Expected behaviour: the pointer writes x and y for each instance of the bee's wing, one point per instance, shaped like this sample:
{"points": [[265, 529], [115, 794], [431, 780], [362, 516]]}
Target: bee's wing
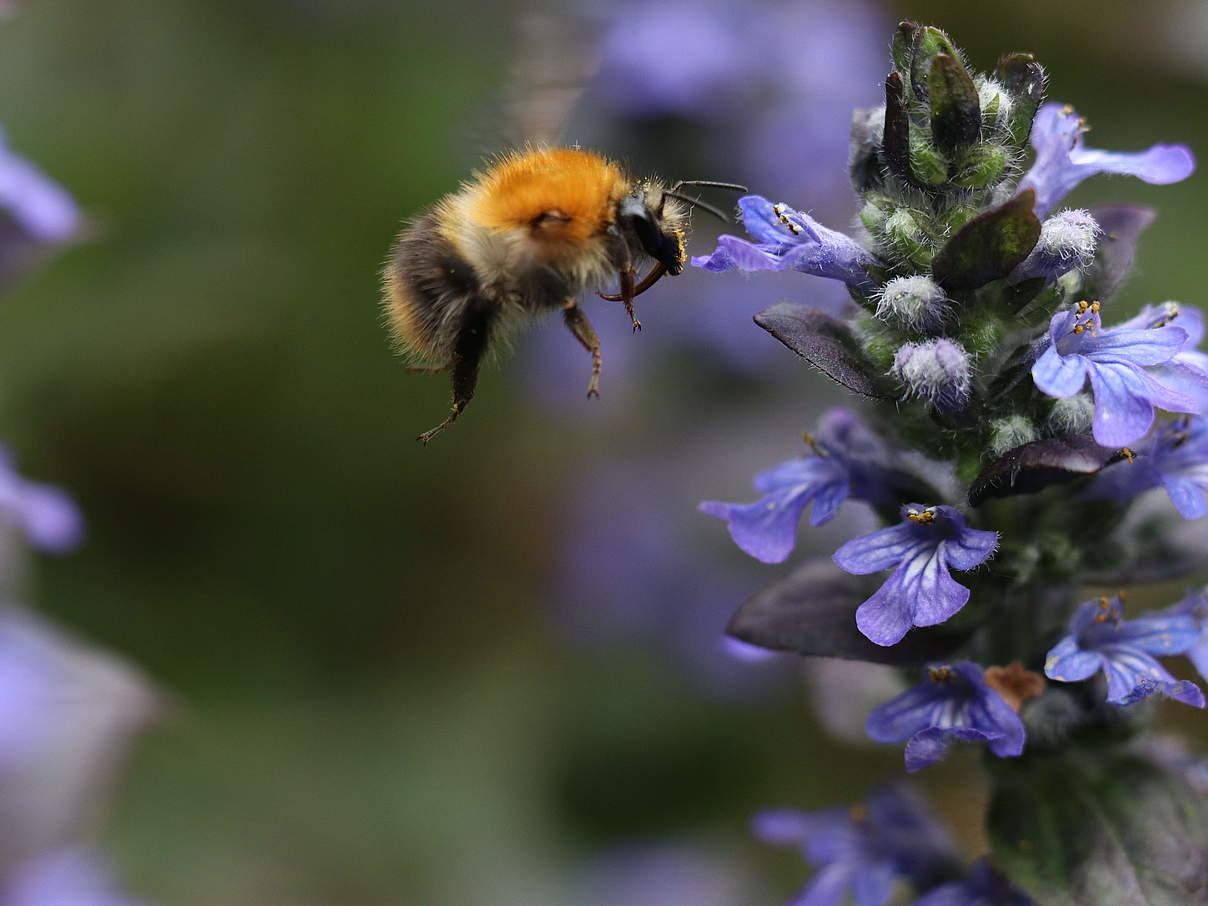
{"points": [[554, 57]]}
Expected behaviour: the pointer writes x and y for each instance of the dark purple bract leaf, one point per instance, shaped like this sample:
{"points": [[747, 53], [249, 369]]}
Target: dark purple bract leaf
{"points": [[1040, 464], [813, 612], [989, 246], [825, 343]]}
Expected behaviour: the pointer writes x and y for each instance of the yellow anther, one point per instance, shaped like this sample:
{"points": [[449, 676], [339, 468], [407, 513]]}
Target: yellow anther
{"points": [[940, 674], [927, 517], [1079, 328], [1128, 454], [1104, 603], [1067, 109]]}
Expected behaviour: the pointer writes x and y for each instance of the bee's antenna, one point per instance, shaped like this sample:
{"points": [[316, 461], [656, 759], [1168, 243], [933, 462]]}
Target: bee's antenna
{"points": [[710, 184], [697, 203]]}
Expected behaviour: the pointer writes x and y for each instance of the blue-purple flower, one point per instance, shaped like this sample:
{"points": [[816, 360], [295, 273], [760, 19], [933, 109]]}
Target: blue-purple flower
{"points": [[71, 876], [1175, 457], [1194, 607], [953, 703], [787, 240], [983, 887], [1101, 640], [47, 516], [1115, 361], [38, 214], [929, 542], [847, 461], [1187, 371], [861, 851], [1063, 161]]}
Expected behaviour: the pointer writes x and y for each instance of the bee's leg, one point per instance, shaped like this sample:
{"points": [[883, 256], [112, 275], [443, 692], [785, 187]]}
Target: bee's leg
{"points": [[467, 356], [578, 324], [627, 295]]}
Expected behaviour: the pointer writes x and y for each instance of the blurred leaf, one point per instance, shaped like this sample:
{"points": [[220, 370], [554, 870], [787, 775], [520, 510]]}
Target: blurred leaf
{"points": [[1082, 828], [989, 246], [1037, 465], [813, 612], [825, 343]]}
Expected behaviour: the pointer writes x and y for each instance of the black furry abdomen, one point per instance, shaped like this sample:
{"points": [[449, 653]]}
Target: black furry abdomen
{"points": [[429, 287]]}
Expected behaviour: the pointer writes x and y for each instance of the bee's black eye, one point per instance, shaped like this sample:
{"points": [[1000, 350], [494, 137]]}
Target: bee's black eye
{"points": [[639, 224]]}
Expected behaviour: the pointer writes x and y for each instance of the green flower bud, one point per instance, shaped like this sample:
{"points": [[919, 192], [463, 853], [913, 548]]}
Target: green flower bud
{"points": [[904, 232], [1010, 432], [982, 166], [927, 164]]}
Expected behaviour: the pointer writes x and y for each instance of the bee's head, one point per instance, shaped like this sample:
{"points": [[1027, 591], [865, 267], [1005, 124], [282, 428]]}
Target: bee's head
{"points": [[656, 224]]}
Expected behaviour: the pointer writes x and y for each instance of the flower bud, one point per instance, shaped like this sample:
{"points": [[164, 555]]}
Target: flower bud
{"points": [[937, 371], [914, 303], [905, 234], [1010, 432], [1067, 242], [1073, 415], [983, 165], [927, 164], [996, 103]]}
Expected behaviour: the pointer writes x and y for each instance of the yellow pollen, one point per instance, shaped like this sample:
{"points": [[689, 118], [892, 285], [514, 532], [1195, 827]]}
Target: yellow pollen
{"points": [[1128, 454], [927, 517], [1067, 109]]}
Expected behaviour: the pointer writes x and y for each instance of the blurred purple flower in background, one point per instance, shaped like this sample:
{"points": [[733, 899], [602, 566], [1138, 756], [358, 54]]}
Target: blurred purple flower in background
{"points": [[861, 850], [47, 515], [662, 875], [65, 877], [983, 887], [67, 717], [37, 215]]}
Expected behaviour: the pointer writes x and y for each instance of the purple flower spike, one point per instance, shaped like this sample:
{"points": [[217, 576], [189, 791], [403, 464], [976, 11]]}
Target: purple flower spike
{"points": [[787, 240], [846, 463], [1115, 361], [46, 514], [983, 887], [921, 550], [1100, 639], [861, 850], [952, 703], [1062, 161]]}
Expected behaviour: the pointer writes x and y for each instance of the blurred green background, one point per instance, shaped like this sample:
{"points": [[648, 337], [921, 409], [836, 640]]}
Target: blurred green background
{"points": [[367, 704]]}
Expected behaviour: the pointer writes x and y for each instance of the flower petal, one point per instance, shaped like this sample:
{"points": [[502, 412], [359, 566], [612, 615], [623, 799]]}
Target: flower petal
{"points": [[1123, 412], [1186, 495], [916, 709], [879, 550], [930, 745], [767, 528], [972, 547], [1059, 376], [1068, 663]]}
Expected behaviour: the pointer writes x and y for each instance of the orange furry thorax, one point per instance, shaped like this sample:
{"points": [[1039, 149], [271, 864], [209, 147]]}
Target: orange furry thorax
{"points": [[561, 195]]}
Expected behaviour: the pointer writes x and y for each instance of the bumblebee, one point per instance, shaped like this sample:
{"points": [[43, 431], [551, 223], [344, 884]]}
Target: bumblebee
{"points": [[527, 236]]}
